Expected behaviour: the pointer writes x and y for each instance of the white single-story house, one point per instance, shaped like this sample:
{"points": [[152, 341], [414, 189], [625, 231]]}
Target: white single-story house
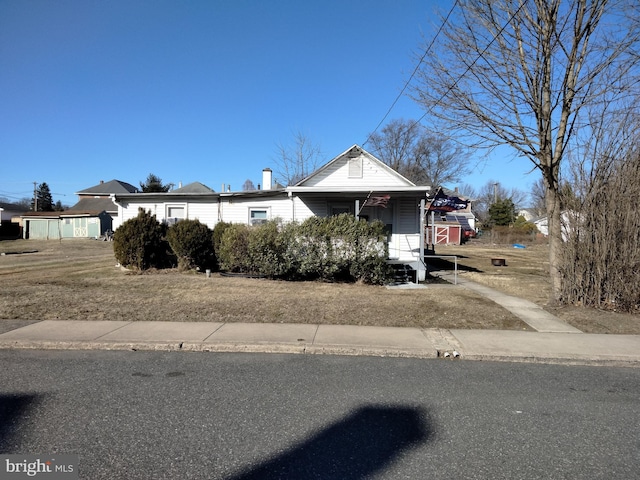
{"points": [[354, 182]]}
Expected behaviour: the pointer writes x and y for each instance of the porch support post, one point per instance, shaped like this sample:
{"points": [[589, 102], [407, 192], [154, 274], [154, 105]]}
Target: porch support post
{"points": [[421, 273], [433, 232], [357, 209]]}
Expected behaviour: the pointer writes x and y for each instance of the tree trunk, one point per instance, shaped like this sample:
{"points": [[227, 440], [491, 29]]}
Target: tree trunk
{"points": [[554, 217]]}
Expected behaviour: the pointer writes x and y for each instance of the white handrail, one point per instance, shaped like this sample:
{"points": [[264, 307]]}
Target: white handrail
{"points": [[455, 263]]}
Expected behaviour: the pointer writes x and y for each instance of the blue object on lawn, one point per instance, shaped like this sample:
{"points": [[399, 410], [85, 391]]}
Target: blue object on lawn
{"points": [[518, 245]]}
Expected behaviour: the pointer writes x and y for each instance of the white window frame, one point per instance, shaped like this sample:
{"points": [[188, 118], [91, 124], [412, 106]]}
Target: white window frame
{"points": [[171, 220], [258, 221]]}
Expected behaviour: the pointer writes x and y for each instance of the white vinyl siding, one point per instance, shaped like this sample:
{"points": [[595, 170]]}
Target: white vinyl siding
{"points": [[237, 209], [206, 212], [306, 207], [373, 174]]}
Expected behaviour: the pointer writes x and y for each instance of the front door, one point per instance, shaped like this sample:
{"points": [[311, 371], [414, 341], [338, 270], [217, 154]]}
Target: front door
{"points": [[385, 215]]}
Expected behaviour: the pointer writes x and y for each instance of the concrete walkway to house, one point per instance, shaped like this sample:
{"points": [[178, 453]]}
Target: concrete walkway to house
{"points": [[553, 341], [530, 313]]}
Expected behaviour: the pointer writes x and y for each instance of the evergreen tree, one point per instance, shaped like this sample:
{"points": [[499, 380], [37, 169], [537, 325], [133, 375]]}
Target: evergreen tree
{"points": [[502, 212], [154, 184], [44, 200]]}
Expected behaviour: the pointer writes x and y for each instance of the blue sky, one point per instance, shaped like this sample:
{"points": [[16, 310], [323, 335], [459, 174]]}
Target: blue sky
{"points": [[201, 90]]}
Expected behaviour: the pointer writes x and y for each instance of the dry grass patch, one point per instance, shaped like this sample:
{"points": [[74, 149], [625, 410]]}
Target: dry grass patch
{"points": [[526, 276], [78, 280]]}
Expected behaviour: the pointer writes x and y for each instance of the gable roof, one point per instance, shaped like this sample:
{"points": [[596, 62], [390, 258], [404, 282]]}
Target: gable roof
{"points": [[195, 187], [375, 172], [11, 207], [106, 188]]}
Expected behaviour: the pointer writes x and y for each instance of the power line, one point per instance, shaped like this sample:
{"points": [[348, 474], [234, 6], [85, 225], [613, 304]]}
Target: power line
{"points": [[415, 70], [480, 55], [460, 77]]}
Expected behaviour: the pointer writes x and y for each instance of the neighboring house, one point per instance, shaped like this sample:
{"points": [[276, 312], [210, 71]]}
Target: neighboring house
{"points": [[91, 217], [8, 211], [98, 197], [528, 213], [9, 220], [567, 218], [354, 182]]}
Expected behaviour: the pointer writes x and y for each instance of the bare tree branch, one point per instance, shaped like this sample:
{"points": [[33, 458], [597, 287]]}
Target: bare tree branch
{"points": [[297, 159], [421, 156], [524, 73]]}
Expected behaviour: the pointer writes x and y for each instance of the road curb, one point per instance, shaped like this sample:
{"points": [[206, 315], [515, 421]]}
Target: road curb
{"points": [[596, 361], [307, 349], [223, 348]]}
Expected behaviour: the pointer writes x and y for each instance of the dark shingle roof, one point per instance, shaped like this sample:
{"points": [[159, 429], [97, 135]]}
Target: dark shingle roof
{"points": [[195, 187], [94, 205], [12, 207], [105, 188]]}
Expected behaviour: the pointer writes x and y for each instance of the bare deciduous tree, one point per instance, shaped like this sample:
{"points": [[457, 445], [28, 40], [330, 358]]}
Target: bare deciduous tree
{"points": [[421, 156], [520, 73], [538, 197], [297, 159], [248, 185]]}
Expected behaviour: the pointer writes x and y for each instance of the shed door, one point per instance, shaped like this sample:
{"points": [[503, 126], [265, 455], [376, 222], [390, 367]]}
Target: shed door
{"points": [[442, 235], [80, 227]]}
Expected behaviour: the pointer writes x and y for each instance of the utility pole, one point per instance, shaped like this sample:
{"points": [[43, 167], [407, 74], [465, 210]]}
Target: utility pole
{"points": [[35, 197], [495, 192]]}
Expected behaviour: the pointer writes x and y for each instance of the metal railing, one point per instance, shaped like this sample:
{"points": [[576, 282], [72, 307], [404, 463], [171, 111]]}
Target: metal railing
{"points": [[455, 265]]}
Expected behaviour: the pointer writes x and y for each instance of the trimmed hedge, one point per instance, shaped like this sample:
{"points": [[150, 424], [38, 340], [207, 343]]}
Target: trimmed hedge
{"points": [[218, 231], [139, 243], [339, 248], [191, 241]]}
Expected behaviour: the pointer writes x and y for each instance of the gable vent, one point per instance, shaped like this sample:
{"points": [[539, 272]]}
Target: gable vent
{"points": [[355, 167]]}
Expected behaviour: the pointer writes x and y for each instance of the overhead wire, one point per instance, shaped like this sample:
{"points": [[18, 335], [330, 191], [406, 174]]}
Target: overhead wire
{"points": [[452, 86], [415, 70]]}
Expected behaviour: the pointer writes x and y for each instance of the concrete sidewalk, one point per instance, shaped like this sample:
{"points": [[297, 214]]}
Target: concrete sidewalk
{"points": [[496, 345], [553, 341]]}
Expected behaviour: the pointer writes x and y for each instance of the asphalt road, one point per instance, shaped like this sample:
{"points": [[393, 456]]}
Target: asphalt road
{"points": [[142, 415]]}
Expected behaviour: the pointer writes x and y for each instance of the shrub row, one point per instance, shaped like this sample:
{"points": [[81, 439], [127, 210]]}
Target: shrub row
{"points": [[140, 243], [339, 248]]}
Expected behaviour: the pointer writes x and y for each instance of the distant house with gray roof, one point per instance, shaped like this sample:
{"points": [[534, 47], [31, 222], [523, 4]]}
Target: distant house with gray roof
{"points": [[91, 217]]}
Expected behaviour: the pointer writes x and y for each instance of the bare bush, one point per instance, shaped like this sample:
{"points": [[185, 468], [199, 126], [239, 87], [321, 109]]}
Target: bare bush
{"points": [[601, 254]]}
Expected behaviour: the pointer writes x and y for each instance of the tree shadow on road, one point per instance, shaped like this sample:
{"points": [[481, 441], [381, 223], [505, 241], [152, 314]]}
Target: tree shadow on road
{"points": [[355, 447], [13, 408]]}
